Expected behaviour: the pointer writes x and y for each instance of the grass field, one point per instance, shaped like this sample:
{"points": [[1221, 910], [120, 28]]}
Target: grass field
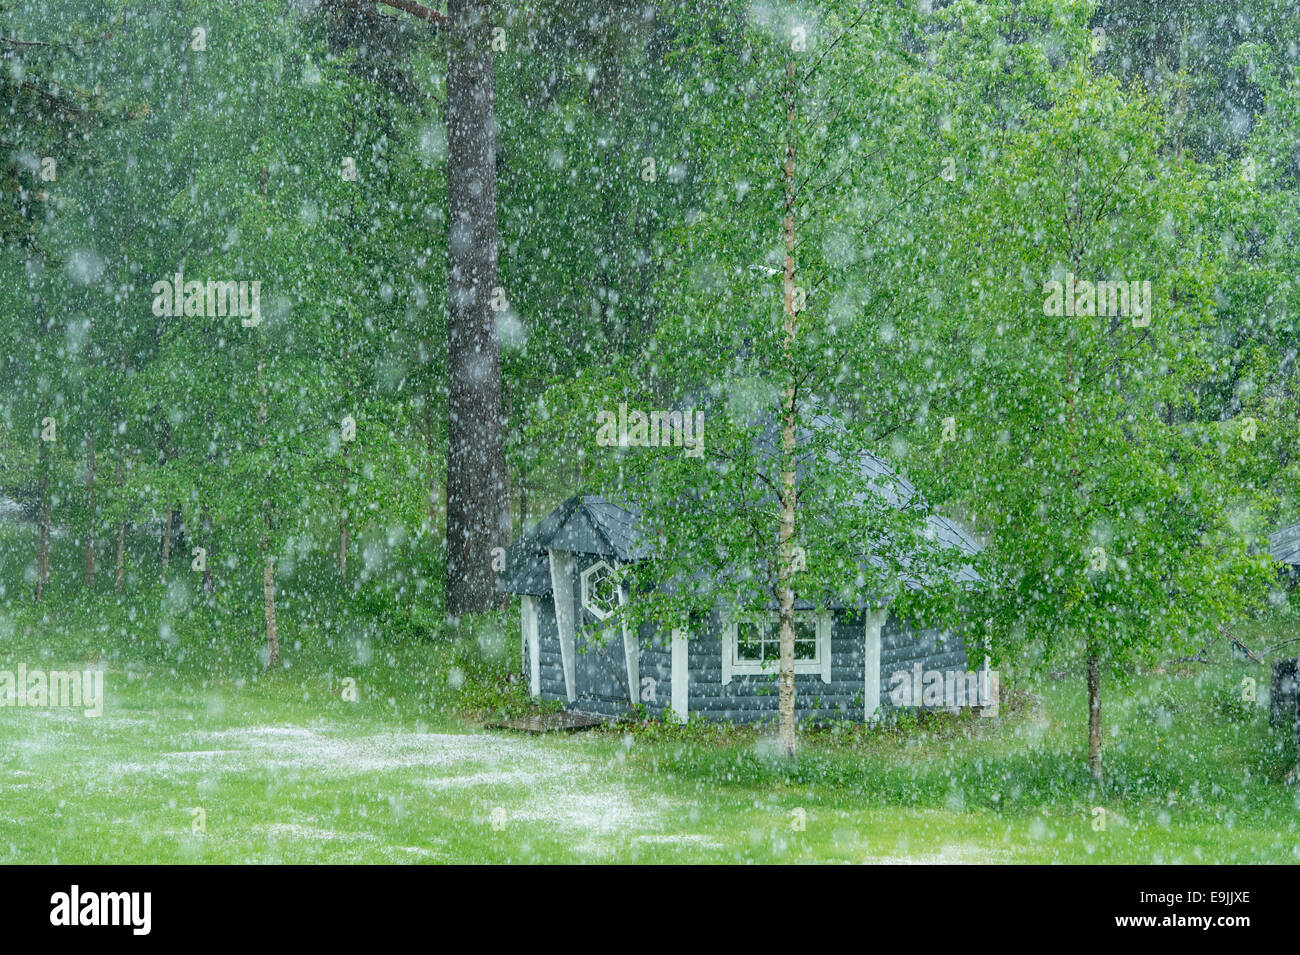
{"points": [[284, 770], [202, 756]]}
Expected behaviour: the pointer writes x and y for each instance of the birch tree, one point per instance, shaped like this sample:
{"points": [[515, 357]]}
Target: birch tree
{"points": [[1091, 308], [775, 332]]}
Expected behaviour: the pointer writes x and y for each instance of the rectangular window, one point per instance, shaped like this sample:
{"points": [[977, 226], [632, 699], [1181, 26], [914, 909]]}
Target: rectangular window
{"points": [[750, 647], [757, 644]]}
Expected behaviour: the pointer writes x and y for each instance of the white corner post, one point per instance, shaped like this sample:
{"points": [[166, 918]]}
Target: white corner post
{"points": [[729, 634], [632, 654], [562, 590], [528, 628], [989, 692], [681, 676], [825, 630], [871, 665]]}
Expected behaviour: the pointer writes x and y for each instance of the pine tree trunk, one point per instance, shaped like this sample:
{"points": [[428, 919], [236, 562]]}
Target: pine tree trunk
{"points": [[1094, 715], [90, 507], [431, 448], [789, 491], [477, 516]]}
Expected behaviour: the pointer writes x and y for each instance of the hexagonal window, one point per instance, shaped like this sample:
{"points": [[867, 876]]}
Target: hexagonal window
{"points": [[599, 590]]}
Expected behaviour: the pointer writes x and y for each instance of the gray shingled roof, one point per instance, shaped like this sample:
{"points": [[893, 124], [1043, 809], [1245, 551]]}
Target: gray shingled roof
{"points": [[620, 526], [1284, 545], [618, 531], [901, 493], [527, 567]]}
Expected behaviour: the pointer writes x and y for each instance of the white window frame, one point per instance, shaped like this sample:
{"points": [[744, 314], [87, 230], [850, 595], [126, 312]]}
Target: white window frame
{"points": [[820, 665], [585, 582]]}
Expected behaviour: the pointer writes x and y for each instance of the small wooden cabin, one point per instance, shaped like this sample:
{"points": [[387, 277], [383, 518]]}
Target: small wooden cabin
{"points": [[847, 660]]}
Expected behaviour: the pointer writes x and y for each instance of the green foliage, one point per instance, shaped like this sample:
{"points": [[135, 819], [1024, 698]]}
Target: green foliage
{"points": [[950, 159]]}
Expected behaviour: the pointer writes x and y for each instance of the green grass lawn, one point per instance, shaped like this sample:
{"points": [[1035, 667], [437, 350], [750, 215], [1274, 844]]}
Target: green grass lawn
{"points": [[284, 770]]}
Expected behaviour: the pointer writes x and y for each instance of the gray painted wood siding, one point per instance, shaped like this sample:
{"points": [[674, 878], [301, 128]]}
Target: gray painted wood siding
{"points": [[753, 698], [548, 650], [901, 647], [655, 663]]}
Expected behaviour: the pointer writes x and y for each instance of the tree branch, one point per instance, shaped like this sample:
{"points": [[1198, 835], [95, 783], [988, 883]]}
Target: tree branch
{"points": [[10, 41]]}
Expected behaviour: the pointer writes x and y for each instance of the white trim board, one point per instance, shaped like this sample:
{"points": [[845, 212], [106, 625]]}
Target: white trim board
{"points": [[681, 676], [562, 589], [875, 623], [631, 653], [584, 581], [528, 627]]}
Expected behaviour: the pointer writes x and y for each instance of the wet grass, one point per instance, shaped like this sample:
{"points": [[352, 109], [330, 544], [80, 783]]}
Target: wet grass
{"points": [[203, 756], [284, 769]]}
